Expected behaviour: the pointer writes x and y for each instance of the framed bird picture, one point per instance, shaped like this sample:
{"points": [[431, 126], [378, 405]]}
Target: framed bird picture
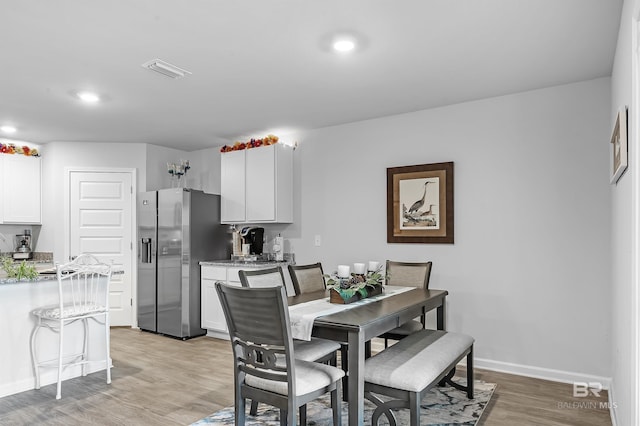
{"points": [[420, 203]]}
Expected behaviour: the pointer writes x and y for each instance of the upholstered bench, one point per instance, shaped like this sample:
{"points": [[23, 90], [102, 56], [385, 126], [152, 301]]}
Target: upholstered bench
{"points": [[407, 370]]}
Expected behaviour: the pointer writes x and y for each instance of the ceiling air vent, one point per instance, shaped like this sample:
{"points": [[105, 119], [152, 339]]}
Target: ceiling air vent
{"points": [[165, 68]]}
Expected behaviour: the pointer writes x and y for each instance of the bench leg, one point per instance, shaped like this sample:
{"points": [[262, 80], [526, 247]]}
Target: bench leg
{"points": [[470, 379], [414, 408]]}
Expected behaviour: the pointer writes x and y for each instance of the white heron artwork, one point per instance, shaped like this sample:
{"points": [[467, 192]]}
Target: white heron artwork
{"points": [[419, 203]]}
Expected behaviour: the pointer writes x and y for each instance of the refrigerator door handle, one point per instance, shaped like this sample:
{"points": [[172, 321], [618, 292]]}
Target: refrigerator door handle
{"points": [[146, 250]]}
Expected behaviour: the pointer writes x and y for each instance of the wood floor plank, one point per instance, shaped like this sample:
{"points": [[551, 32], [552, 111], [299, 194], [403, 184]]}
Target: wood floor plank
{"points": [[158, 380]]}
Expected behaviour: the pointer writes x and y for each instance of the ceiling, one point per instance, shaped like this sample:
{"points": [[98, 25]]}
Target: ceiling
{"points": [[263, 67]]}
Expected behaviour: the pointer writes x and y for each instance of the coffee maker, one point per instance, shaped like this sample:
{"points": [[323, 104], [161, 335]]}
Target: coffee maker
{"points": [[254, 237], [23, 246]]}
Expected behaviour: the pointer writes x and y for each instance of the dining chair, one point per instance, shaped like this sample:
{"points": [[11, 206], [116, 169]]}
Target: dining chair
{"points": [[310, 278], [314, 350], [83, 294], [407, 274], [265, 366], [307, 278]]}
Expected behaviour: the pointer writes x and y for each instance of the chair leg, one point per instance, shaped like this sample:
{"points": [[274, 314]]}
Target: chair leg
{"points": [[108, 346], [303, 414], [34, 356], [386, 343], [60, 347], [470, 380], [336, 406], [85, 346], [254, 408], [240, 411], [345, 367]]}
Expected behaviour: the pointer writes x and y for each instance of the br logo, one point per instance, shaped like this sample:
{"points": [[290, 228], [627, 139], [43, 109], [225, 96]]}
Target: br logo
{"points": [[583, 389]]}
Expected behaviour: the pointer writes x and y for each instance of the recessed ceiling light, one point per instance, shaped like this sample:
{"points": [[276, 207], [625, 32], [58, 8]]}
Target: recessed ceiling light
{"points": [[8, 129], [88, 97], [344, 45]]}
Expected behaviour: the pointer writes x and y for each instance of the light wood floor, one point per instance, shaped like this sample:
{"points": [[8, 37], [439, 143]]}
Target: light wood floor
{"points": [[157, 380]]}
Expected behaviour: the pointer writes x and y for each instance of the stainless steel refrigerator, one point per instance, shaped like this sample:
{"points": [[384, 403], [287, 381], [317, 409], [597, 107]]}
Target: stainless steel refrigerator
{"points": [[177, 228]]}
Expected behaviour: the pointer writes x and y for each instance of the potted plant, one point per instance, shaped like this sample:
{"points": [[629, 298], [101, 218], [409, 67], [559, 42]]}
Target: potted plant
{"points": [[354, 288], [19, 271]]}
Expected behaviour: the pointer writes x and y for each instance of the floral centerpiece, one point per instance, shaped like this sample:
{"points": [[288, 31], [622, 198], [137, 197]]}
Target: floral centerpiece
{"points": [[354, 288]]}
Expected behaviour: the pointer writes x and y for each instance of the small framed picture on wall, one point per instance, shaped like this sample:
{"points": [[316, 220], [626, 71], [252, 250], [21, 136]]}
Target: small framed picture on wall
{"points": [[619, 155]]}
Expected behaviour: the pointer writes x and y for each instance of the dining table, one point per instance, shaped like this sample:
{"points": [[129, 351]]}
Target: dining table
{"points": [[364, 321]]}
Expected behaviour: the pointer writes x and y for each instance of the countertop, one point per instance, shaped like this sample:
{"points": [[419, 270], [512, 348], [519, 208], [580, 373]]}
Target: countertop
{"points": [[39, 278], [238, 263]]}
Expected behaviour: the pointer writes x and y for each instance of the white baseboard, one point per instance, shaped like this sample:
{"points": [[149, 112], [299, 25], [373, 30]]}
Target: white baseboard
{"points": [[49, 376], [541, 373]]}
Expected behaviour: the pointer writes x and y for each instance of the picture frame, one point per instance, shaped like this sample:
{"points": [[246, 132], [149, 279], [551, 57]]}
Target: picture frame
{"points": [[619, 146], [420, 204]]}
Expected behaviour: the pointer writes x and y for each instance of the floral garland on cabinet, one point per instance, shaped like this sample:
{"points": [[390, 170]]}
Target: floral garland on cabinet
{"points": [[10, 148], [253, 143]]}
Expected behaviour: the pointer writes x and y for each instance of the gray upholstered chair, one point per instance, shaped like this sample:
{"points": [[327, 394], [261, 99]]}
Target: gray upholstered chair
{"points": [[316, 349], [307, 278], [407, 274], [265, 366]]}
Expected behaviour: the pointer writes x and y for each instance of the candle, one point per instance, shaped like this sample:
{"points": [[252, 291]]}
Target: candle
{"points": [[373, 266], [343, 271], [358, 268]]}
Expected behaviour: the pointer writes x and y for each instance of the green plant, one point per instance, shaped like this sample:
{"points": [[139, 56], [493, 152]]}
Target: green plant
{"points": [[20, 271], [347, 288]]}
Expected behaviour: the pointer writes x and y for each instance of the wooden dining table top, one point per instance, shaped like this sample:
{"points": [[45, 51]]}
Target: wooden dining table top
{"points": [[368, 314]]}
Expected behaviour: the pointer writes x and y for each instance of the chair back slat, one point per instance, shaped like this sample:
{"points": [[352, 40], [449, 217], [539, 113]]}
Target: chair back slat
{"points": [[410, 274], [83, 285], [271, 277], [307, 278], [259, 329]]}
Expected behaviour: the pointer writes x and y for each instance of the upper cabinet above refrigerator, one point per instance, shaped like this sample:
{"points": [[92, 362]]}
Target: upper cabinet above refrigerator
{"points": [[256, 185]]}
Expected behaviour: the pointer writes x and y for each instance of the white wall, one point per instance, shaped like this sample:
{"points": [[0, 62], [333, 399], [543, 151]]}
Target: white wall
{"points": [[529, 272], [204, 173], [625, 355], [56, 157]]}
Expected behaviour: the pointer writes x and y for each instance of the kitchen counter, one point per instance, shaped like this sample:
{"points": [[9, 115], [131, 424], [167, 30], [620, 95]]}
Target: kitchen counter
{"points": [[38, 279], [17, 300], [240, 263]]}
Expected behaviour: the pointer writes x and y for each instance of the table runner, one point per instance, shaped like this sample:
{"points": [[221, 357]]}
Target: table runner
{"points": [[303, 315]]}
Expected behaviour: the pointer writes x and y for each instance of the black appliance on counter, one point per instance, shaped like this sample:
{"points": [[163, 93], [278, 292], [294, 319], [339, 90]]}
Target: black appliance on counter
{"points": [[254, 237]]}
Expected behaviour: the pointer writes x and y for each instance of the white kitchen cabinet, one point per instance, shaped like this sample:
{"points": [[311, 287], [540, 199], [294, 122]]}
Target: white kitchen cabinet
{"points": [[20, 199], [232, 186], [256, 185], [212, 316]]}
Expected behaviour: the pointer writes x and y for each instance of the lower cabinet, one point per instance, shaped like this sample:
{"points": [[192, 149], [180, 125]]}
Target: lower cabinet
{"points": [[212, 316]]}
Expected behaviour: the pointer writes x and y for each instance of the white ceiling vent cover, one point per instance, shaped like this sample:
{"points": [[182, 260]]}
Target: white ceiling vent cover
{"points": [[165, 68]]}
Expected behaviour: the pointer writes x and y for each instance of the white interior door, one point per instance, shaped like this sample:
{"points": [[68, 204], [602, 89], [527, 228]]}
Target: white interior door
{"points": [[100, 223]]}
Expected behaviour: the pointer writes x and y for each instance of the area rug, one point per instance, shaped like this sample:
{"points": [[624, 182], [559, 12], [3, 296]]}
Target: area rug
{"points": [[441, 406]]}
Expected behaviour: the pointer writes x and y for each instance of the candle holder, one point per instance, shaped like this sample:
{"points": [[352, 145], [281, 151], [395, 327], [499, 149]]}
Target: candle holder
{"points": [[177, 171]]}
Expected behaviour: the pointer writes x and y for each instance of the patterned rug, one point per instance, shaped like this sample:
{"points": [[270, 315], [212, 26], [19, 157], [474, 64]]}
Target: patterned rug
{"points": [[442, 406]]}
